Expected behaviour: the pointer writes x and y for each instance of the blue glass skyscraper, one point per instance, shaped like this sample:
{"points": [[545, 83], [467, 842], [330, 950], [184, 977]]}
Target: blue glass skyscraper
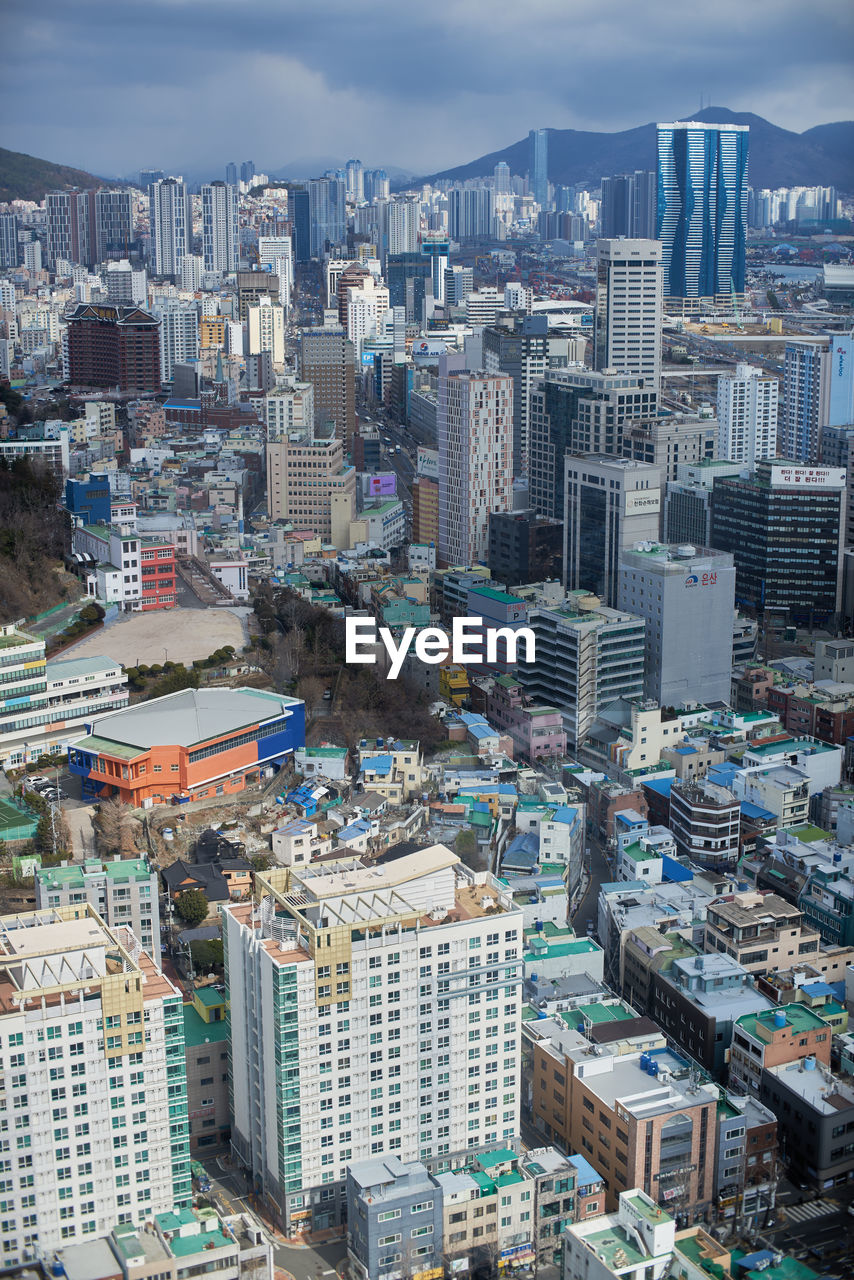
{"points": [[702, 207]]}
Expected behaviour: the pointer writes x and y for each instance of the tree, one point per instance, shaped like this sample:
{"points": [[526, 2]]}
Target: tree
{"points": [[110, 825], [311, 689], [207, 955], [192, 907]]}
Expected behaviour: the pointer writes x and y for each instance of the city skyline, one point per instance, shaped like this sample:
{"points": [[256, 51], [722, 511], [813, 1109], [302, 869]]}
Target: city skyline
{"points": [[299, 67]]}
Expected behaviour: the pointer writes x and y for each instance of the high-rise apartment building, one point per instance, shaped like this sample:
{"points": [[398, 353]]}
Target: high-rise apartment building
{"points": [[114, 230], [501, 178], [538, 165], [149, 176], [290, 407], [702, 207], [179, 335], [470, 210], [474, 425], [687, 597], [519, 348], [171, 218], [220, 235], [459, 283], [378, 1015], [355, 181], [92, 1042], [610, 504], [628, 206], [9, 249], [124, 893], [747, 415], [326, 361], [265, 328], [70, 225], [327, 213], [579, 411], [806, 396], [247, 171], [276, 254], [627, 333], [784, 527], [404, 224], [230, 174]]}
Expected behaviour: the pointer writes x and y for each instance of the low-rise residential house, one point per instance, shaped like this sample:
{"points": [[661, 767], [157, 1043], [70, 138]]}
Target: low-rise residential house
{"points": [[774, 1038]]}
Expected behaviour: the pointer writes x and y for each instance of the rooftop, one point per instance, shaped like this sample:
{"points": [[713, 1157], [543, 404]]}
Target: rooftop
{"points": [[197, 1031], [185, 718]]}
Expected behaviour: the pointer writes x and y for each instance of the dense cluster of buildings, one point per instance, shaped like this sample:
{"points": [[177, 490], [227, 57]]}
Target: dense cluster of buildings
{"points": [[615, 909]]}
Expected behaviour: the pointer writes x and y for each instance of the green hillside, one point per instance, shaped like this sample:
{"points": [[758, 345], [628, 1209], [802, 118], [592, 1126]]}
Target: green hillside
{"points": [[25, 177]]}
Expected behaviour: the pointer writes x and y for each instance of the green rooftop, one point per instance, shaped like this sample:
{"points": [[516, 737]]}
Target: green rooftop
{"points": [[503, 1156], [127, 869], [106, 746], [808, 833], [787, 1269], [651, 1212], [197, 1031], [491, 593], [615, 1248], [183, 1246], [209, 996], [637, 852], [799, 1020]]}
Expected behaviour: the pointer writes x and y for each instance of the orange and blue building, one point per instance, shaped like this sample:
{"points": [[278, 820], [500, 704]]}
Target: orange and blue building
{"points": [[190, 745]]}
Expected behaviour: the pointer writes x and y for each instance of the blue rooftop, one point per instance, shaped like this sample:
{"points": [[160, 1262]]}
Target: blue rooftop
{"points": [[813, 989], [685, 751], [661, 786], [756, 812], [586, 1172], [674, 871], [565, 814], [482, 730], [378, 764]]}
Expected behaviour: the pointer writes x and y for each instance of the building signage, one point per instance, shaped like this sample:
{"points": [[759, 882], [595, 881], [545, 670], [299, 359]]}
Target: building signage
{"points": [[809, 477], [643, 500], [701, 579]]}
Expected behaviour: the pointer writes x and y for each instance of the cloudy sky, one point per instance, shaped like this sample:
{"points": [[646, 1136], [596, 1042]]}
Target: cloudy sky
{"points": [[115, 85]]}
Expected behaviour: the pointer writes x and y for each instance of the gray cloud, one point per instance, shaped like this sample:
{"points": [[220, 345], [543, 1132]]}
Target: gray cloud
{"points": [[194, 83]]}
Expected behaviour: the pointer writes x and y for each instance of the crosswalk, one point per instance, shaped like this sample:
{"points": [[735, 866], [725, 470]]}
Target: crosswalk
{"points": [[813, 1209]]}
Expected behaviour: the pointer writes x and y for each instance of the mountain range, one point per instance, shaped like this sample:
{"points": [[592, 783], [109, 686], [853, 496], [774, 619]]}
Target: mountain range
{"points": [[822, 156]]}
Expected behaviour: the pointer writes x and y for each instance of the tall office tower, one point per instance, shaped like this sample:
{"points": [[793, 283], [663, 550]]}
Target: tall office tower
{"points": [[702, 207], [327, 210], [806, 400], [231, 174], [687, 597], [220, 232], [290, 407], [179, 335], [628, 206], [470, 211], [501, 178], [252, 286], [538, 166], [688, 500], [474, 425], [669, 440], [113, 346], [747, 415], [435, 246], [125, 283], [299, 205], [310, 483], [520, 349], [114, 232], [422, 950], [100, 1132], [784, 527], [840, 405], [276, 254], [147, 177], [376, 184], [578, 411], [171, 217], [326, 360], [459, 283], [9, 250], [610, 504], [247, 171], [627, 334], [410, 278], [355, 181], [70, 221], [265, 328], [33, 255], [837, 450]]}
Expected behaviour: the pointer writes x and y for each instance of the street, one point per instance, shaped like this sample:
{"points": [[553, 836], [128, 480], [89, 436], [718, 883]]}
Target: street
{"points": [[231, 1194]]}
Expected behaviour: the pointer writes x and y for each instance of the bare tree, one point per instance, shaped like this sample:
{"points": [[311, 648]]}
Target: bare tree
{"points": [[111, 825], [311, 689]]}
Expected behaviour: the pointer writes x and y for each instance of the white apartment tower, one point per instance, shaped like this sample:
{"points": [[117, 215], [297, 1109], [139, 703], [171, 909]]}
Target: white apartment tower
{"points": [[627, 335], [171, 219], [289, 407], [95, 1107], [265, 324], [806, 400], [179, 335], [375, 1012], [475, 435], [404, 222], [220, 236], [276, 254], [747, 415]]}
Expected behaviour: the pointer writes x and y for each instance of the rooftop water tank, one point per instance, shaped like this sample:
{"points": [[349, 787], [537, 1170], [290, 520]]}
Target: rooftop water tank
{"points": [[809, 1063], [779, 1018], [685, 551]]}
